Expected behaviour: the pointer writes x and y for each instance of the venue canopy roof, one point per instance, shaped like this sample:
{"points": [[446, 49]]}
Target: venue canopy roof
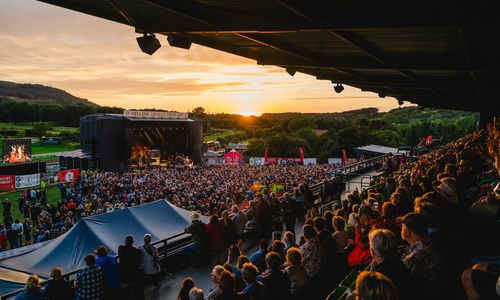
{"points": [[434, 53]]}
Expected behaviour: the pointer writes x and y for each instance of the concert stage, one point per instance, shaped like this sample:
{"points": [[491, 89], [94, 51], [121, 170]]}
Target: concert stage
{"points": [[137, 139]]}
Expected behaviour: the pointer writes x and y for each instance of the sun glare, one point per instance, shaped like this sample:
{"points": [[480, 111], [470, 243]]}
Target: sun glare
{"points": [[248, 113]]}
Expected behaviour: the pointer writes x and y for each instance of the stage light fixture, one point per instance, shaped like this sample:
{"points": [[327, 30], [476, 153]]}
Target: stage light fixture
{"points": [[291, 70], [148, 43], [381, 95], [179, 41], [338, 88]]}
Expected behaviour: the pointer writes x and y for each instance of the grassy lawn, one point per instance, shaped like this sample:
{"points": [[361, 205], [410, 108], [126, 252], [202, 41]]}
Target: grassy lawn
{"points": [[53, 195], [39, 148], [220, 133], [11, 126]]}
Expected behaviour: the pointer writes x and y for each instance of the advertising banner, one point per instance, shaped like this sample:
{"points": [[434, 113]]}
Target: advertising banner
{"points": [[26, 181], [7, 183], [68, 175]]}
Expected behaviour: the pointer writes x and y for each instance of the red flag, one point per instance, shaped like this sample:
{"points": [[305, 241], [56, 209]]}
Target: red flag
{"points": [[344, 156], [265, 155], [68, 175], [301, 155], [7, 182]]}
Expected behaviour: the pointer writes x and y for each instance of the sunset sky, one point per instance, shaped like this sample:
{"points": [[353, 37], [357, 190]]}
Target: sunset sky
{"points": [[100, 60]]}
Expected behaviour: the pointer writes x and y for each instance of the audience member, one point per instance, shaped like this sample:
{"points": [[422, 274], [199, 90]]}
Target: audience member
{"points": [[340, 236], [313, 253], [186, 286], [255, 289], [375, 286], [214, 291], [32, 290], [108, 265], [149, 264], [295, 270], [215, 233], [197, 229], [129, 264], [196, 294], [89, 281], [58, 288], [227, 288], [259, 257], [276, 280]]}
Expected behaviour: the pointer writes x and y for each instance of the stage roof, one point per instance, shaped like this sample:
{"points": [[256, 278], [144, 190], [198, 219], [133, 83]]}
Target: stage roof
{"points": [[376, 150], [434, 53]]}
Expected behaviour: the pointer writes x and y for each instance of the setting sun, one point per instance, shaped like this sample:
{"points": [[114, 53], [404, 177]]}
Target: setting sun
{"points": [[249, 113]]}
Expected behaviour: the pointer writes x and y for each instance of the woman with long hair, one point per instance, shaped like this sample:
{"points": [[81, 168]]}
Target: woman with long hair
{"points": [[186, 286], [32, 290]]}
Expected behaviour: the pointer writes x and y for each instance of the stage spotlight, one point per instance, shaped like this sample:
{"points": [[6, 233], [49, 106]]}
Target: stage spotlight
{"points": [[338, 88], [381, 95], [148, 43], [179, 41], [401, 102], [290, 70]]}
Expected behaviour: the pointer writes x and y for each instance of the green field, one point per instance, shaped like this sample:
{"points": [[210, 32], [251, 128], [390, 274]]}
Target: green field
{"points": [[213, 134], [53, 195]]}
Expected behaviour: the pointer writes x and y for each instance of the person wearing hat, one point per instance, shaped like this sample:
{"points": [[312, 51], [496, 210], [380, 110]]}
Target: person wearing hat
{"points": [[198, 232], [108, 265], [89, 281], [422, 257]]}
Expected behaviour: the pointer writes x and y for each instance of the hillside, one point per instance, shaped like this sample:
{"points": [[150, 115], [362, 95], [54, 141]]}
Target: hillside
{"points": [[40, 94]]}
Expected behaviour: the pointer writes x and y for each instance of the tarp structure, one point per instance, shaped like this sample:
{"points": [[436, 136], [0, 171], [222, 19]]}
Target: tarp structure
{"points": [[232, 158], [160, 218]]}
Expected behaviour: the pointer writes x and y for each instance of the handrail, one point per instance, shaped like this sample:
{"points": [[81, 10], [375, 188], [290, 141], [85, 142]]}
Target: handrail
{"points": [[161, 255]]}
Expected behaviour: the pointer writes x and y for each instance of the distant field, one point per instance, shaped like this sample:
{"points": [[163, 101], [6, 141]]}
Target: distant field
{"points": [[221, 133], [11, 126]]}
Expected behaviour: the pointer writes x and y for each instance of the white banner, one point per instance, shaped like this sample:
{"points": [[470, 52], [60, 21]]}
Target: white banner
{"points": [[25, 181], [155, 114], [256, 161]]}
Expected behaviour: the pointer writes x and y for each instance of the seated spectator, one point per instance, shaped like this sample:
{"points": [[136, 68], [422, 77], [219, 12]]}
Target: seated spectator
{"points": [[277, 281], [423, 257], [326, 239], [278, 248], [256, 290], [196, 294], [58, 288], [186, 286], [295, 269], [259, 257], [340, 236], [214, 291], [313, 253], [375, 286], [384, 250], [32, 290], [289, 238], [482, 281], [240, 284], [227, 288]]}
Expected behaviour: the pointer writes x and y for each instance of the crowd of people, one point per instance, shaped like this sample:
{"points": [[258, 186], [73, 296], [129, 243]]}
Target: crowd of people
{"points": [[404, 227]]}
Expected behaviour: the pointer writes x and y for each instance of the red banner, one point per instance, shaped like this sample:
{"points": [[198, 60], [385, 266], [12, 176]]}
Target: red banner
{"points": [[7, 182], [68, 175]]}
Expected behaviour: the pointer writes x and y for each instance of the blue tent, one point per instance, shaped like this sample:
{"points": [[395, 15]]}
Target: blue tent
{"points": [[160, 218]]}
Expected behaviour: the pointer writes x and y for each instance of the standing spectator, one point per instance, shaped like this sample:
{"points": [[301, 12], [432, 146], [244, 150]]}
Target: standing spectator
{"points": [[18, 227], [239, 219], [32, 290], [7, 207], [3, 238], [215, 233], [20, 202], [58, 288], [27, 231], [108, 265], [290, 210], [129, 264], [264, 217], [229, 230], [26, 209], [12, 238], [197, 229], [7, 219], [149, 264], [89, 281]]}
